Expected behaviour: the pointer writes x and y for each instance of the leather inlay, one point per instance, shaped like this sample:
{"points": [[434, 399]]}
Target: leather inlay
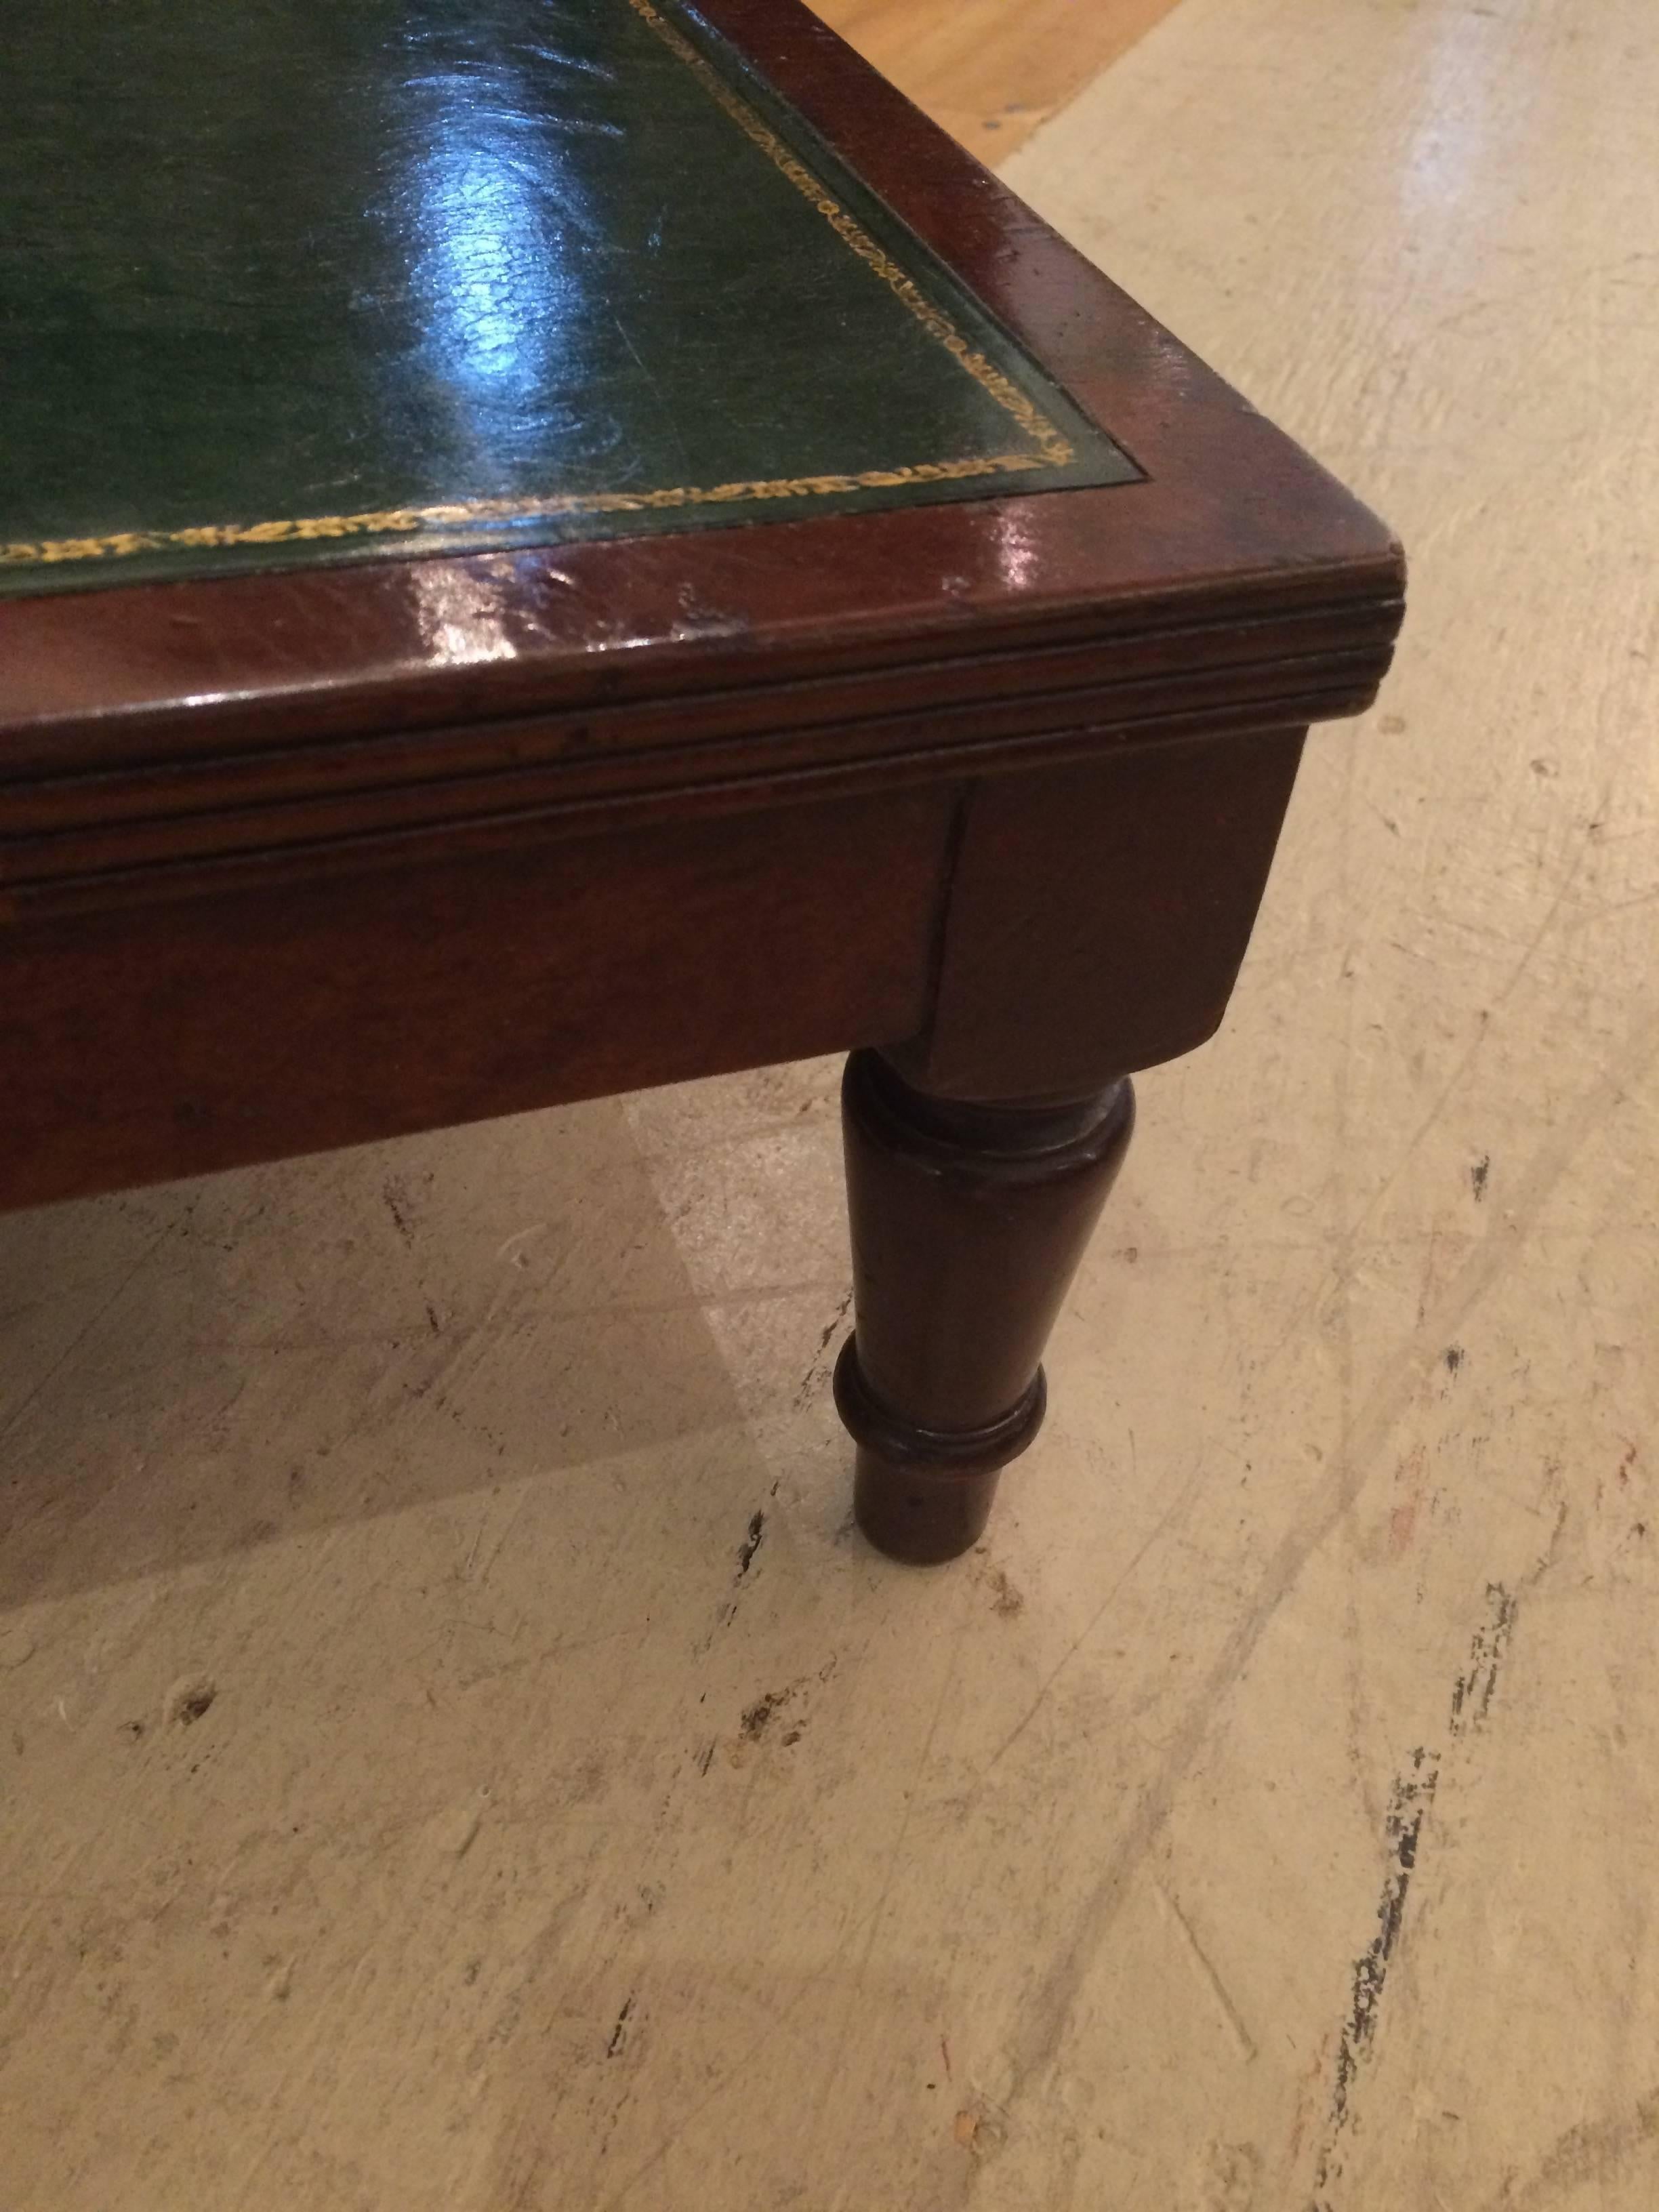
{"points": [[288, 282]]}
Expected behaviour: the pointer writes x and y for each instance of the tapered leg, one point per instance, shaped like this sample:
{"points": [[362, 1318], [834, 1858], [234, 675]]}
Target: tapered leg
{"points": [[968, 1223]]}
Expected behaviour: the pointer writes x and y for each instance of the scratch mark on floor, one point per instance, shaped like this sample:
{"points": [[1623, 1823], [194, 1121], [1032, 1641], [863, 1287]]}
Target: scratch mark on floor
{"points": [[818, 1370], [736, 2072], [1038, 2041], [835, 1323], [1207, 1973], [1472, 1691], [826, 2116], [1409, 1801], [1529, 951], [391, 1193], [1176, 1506], [1402, 1827]]}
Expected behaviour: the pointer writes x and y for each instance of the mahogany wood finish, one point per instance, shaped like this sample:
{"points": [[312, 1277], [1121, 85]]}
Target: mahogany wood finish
{"points": [[991, 787], [968, 1223], [1139, 875], [151, 1041]]}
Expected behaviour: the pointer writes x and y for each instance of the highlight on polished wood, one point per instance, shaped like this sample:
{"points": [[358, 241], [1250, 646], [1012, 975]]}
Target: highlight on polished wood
{"points": [[993, 71]]}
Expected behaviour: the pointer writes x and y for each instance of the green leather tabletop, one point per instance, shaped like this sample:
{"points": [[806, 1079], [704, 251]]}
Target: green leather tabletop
{"points": [[289, 281]]}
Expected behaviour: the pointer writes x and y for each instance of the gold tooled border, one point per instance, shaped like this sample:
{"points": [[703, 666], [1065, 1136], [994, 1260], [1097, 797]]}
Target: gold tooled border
{"points": [[1051, 448], [1055, 450]]}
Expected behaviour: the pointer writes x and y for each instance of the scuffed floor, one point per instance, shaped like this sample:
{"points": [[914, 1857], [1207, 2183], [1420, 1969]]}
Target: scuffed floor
{"points": [[456, 1755]]}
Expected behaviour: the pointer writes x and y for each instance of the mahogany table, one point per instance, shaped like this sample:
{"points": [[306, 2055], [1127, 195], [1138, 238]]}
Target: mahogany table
{"points": [[566, 545]]}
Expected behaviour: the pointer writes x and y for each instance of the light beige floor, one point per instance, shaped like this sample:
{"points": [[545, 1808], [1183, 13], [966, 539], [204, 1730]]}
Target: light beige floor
{"points": [[993, 71], [1267, 1818]]}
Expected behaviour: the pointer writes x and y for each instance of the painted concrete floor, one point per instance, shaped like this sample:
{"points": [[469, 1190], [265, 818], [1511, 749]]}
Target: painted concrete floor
{"points": [[456, 1756]]}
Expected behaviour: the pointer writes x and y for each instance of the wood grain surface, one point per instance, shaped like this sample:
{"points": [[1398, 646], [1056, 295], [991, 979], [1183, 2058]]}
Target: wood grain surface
{"points": [[991, 72]]}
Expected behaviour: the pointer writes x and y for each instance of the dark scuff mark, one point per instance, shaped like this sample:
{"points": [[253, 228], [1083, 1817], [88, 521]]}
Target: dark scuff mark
{"points": [[618, 2033], [391, 1194], [189, 1701], [432, 1318], [1478, 1175], [746, 1551], [819, 1367], [1472, 1691], [1006, 1599], [1454, 1356], [834, 1323], [751, 1544], [707, 1760], [1402, 1827], [1409, 1801], [757, 1717]]}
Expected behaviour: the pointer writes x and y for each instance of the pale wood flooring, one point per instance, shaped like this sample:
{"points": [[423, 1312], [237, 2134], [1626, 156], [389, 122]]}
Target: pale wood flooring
{"points": [[991, 70]]}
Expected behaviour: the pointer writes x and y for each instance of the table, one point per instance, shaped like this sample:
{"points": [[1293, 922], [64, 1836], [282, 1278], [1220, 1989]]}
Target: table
{"points": [[574, 544]]}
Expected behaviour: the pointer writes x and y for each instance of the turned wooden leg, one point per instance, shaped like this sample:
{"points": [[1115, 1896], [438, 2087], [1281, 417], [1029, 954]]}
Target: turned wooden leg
{"points": [[968, 1223]]}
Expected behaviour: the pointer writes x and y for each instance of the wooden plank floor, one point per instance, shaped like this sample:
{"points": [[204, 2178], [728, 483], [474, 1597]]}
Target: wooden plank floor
{"points": [[991, 70]]}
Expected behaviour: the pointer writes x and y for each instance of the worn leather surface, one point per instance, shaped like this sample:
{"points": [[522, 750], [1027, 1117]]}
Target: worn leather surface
{"points": [[294, 280]]}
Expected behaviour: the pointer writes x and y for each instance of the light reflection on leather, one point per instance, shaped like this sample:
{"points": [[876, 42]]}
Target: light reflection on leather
{"points": [[291, 281], [495, 221]]}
